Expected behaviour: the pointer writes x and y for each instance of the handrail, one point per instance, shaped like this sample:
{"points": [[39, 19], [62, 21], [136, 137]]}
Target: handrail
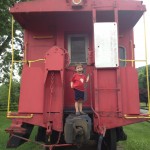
{"points": [[132, 49], [147, 71], [136, 116], [130, 60], [43, 37], [11, 74], [12, 64], [20, 117], [31, 61], [25, 52]]}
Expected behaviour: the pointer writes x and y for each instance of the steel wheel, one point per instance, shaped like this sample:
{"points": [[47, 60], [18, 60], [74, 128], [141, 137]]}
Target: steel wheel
{"points": [[110, 140]]}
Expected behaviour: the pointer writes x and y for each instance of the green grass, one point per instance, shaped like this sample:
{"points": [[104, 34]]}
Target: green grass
{"points": [[5, 123], [138, 136], [143, 106]]}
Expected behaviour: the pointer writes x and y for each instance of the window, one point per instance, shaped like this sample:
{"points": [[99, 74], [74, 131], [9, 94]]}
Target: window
{"points": [[78, 48], [122, 54]]}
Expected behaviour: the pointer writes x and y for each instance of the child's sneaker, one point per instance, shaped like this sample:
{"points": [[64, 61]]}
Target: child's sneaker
{"points": [[82, 113], [77, 113]]}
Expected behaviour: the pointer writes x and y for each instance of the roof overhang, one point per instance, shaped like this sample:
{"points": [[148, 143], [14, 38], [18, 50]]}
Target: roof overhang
{"points": [[27, 12]]}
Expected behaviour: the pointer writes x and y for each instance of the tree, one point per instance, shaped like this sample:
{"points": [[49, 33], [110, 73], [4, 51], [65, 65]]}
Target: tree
{"points": [[142, 76], [14, 92], [5, 39], [5, 24]]}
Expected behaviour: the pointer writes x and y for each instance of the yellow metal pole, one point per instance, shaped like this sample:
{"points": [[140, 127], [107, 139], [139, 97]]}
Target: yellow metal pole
{"points": [[11, 74], [127, 60], [132, 50], [22, 117], [12, 65], [25, 53], [147, 71], [136, 117]]}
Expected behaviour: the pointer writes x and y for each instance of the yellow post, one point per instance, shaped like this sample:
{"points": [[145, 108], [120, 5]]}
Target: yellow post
{"points": [[11, 74], [132, 50], [25, 53], [12, 65], [147, 71]]}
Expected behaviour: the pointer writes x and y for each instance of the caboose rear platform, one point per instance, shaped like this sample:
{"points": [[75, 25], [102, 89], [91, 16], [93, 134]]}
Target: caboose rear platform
{"points": [[59, 34]]}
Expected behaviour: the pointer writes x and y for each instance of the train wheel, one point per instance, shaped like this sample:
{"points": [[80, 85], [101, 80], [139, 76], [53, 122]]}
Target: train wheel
{"points": [[13, 141], [110, 140], [40, 134]]}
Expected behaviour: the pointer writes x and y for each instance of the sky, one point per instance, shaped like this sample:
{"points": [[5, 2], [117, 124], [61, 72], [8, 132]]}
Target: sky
{"points": [[140, 38]]}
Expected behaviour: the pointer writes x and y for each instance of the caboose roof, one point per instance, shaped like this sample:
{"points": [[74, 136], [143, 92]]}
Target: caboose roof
{"points": [[26, 12]]}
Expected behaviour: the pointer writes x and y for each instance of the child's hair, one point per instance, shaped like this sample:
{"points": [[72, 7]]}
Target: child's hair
{"points": [[79, 64]]}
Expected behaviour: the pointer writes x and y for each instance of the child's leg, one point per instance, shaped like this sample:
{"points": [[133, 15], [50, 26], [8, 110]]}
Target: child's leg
{"points": [[77, 106], [80, 106]]}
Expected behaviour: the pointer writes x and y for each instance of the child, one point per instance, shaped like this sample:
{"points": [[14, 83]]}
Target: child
{"points": [[77, 83]]}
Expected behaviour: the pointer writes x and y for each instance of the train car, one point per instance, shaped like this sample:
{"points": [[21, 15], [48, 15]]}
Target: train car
{"points": [[57, 35]]}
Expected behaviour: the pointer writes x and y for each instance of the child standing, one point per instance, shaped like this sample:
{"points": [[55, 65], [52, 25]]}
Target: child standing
{"points": [[77, 83]]}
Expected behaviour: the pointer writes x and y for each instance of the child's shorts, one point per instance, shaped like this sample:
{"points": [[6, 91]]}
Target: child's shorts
{"points": [[79, 95]]}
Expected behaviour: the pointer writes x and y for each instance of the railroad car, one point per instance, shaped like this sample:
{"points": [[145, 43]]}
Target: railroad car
{"points": [[57, 35]]}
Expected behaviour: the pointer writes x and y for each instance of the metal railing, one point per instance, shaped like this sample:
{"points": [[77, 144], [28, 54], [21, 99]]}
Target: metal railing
{"points": [[11, 73], [147, 73]]}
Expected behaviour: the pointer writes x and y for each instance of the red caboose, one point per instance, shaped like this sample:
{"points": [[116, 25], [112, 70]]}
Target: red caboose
{"points": [[57, 35]]}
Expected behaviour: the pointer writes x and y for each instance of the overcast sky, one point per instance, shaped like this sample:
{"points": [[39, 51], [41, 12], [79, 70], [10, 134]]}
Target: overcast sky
{"points": [[139, 36]]}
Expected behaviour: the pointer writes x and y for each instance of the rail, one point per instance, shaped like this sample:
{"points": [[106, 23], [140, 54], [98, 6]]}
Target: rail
{"points": [[11, 72], [11, 68], [147, 74]]}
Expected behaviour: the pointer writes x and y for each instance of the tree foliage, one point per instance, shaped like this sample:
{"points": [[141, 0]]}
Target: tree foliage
{"points": [[5, 51], [5, 24], [5, 40], [14, 92], [142, 76]]}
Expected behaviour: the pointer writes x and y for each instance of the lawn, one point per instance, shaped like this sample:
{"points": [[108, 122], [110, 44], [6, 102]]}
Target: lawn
{"points": [[5, 123], [138, 136]]}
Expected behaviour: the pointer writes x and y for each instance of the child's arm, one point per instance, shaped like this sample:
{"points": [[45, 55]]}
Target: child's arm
{"points": [[71, 84], [87, 78]]}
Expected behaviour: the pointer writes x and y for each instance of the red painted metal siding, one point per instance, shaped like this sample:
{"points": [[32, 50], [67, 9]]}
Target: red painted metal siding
{"points": [[105, 90], [32, 90], [112, 92], [130, 91]]}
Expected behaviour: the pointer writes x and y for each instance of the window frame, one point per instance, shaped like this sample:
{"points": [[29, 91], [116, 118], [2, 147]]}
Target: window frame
{"points": [[125, 52], [86, 46]]}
